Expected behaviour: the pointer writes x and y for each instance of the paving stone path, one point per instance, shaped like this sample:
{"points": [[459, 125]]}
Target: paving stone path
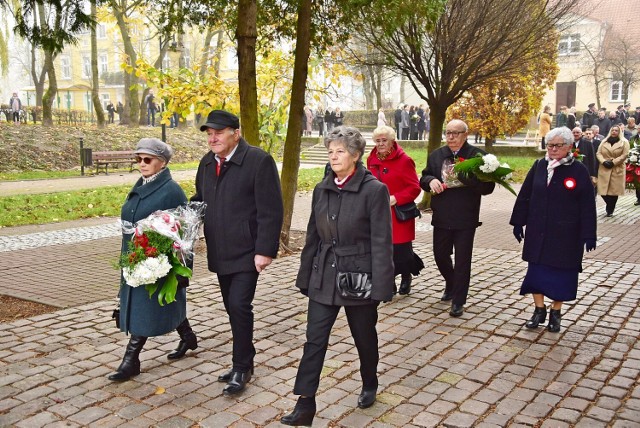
{"points": [[480, 370]]}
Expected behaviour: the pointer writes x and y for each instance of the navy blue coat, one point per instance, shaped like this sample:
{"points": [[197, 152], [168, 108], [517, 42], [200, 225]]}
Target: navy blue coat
{"points": [[139, 314], [558, 218]]}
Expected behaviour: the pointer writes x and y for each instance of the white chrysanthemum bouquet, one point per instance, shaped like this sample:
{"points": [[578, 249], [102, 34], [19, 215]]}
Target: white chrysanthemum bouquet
{"points": [[486, 168], [160, 247]]}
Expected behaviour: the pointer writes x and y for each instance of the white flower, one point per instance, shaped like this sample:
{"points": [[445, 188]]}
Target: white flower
{"points": [[491, 163], [147, 271], [633, 159]]}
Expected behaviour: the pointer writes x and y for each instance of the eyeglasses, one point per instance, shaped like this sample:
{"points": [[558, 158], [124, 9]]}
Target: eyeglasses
{"points": [[453, 133], [554, 146], [145, 160]]}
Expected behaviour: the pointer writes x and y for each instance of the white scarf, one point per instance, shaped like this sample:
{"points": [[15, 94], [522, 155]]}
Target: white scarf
{"points": [[554, 163]]}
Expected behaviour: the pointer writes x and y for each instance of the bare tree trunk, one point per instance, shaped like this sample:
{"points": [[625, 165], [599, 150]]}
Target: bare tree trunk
{"points": [[38, 81], [52, 90], [95, 87], [291, 159], [247, 36], [367, 86], [131, 101]]}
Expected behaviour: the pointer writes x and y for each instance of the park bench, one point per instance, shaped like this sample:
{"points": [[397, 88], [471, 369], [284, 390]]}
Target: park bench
{"points": [[104, 159]]}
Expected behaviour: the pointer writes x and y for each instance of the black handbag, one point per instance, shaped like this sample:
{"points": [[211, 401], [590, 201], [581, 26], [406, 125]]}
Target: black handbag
{"points": [[354, 285], [407, 211], [115, 315], [350, 285]]}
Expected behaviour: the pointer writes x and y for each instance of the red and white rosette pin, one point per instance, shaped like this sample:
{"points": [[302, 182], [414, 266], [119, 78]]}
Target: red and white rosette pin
{"points": [[570, 183]]}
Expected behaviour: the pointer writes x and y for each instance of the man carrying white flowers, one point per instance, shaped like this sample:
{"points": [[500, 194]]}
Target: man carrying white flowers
{"points": [[456, 213]]}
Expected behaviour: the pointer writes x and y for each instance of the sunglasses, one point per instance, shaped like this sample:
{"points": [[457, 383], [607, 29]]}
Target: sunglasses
{"points": [[145, 160]]}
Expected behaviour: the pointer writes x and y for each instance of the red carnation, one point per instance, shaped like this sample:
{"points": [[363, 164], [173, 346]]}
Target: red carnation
{"points": [[637, 171], [141, 241], [151, 252], [630, 167]]}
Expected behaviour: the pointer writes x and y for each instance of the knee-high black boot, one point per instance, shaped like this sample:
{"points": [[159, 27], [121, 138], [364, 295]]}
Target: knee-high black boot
{"points": [[188, 340], [130, 365]]}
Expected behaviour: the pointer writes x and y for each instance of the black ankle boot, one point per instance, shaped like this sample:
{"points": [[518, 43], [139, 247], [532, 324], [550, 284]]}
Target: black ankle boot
{"points": [[130, 365], [302, 414], [405, 284], [539, 317], [554, 320], [188, 340]]}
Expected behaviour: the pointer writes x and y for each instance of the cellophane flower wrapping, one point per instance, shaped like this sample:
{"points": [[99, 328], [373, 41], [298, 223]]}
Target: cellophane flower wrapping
{"points": [[632, 176], [486, 168], [161, 246]]}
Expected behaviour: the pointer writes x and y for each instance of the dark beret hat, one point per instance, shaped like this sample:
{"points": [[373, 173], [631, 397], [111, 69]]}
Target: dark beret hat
{"points": [[220, 119], [154, 147]]}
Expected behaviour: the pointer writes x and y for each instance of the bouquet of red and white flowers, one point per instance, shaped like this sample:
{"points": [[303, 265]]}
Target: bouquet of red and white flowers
{"points": [[632, 177], [161, 247]]}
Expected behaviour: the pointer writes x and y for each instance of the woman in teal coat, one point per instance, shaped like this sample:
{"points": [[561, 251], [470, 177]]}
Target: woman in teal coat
{"points": [[140, 315]]}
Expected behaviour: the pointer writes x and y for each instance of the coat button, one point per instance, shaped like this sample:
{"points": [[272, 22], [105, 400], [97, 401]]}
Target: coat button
{"points": [[333, 264], [333, 217], [333, 241]]}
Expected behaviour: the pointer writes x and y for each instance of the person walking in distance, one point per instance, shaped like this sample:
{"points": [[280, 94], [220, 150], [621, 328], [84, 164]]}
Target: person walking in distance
{"points": [[242, 223]]}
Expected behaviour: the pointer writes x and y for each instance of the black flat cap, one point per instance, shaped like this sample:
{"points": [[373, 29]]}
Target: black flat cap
{"points": [[220, 119]]}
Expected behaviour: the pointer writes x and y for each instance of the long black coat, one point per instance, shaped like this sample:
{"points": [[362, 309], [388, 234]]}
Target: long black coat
{"points": [[359, 219], [586, 148], [458, 207], [139, 314], [244, 208], [558, 217]]}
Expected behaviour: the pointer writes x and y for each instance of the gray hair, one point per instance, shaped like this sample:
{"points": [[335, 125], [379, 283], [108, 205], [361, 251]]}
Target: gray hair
{"points": [[351, 137], [386, 131], [562, 132]]}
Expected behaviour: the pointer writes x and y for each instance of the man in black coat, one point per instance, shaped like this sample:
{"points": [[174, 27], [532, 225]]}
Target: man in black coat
{"points": [[456, 211], [585, 148], [397, 120], [603, 122], [589, 117], [242, 223]]}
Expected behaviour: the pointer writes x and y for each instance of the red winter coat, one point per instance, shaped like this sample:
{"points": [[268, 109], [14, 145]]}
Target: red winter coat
{"points": [[398, 173]]}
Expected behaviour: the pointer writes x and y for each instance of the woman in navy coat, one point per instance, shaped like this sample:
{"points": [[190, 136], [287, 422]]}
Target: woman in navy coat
{"points": [[140, 315], [557, 209]]}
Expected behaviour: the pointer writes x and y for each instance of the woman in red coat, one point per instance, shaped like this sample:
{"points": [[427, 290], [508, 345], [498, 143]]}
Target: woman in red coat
{"points": [[392, 166]]}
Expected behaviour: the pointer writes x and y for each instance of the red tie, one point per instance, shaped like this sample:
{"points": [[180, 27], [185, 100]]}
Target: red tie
{"points": [[219, 166]]}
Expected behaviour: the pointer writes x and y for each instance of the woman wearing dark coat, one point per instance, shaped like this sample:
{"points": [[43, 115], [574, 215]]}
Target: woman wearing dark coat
{"points": [[141, 315], [557, 210], [392, 166], [349, 230]]}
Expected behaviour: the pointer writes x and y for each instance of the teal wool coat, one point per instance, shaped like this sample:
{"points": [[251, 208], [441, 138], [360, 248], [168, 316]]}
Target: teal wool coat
{"points": [[139, 314]]}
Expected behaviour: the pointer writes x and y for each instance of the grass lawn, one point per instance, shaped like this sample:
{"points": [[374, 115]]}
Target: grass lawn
{"points": [[107, 201]]}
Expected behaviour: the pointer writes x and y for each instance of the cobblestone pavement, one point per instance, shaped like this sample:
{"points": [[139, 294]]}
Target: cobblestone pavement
{"points": [[483, 369]]}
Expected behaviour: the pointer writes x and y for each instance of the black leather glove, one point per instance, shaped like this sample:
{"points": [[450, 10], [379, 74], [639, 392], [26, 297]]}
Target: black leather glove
{"points": [[468, 179], [590, 244], [608, 164], [183, 281], [518, 232]]}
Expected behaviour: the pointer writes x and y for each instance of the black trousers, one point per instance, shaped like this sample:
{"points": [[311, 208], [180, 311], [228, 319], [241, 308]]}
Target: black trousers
{"points": [[610, 202], [320, 319], [405, 134], [458, 276], [238, 290]]}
